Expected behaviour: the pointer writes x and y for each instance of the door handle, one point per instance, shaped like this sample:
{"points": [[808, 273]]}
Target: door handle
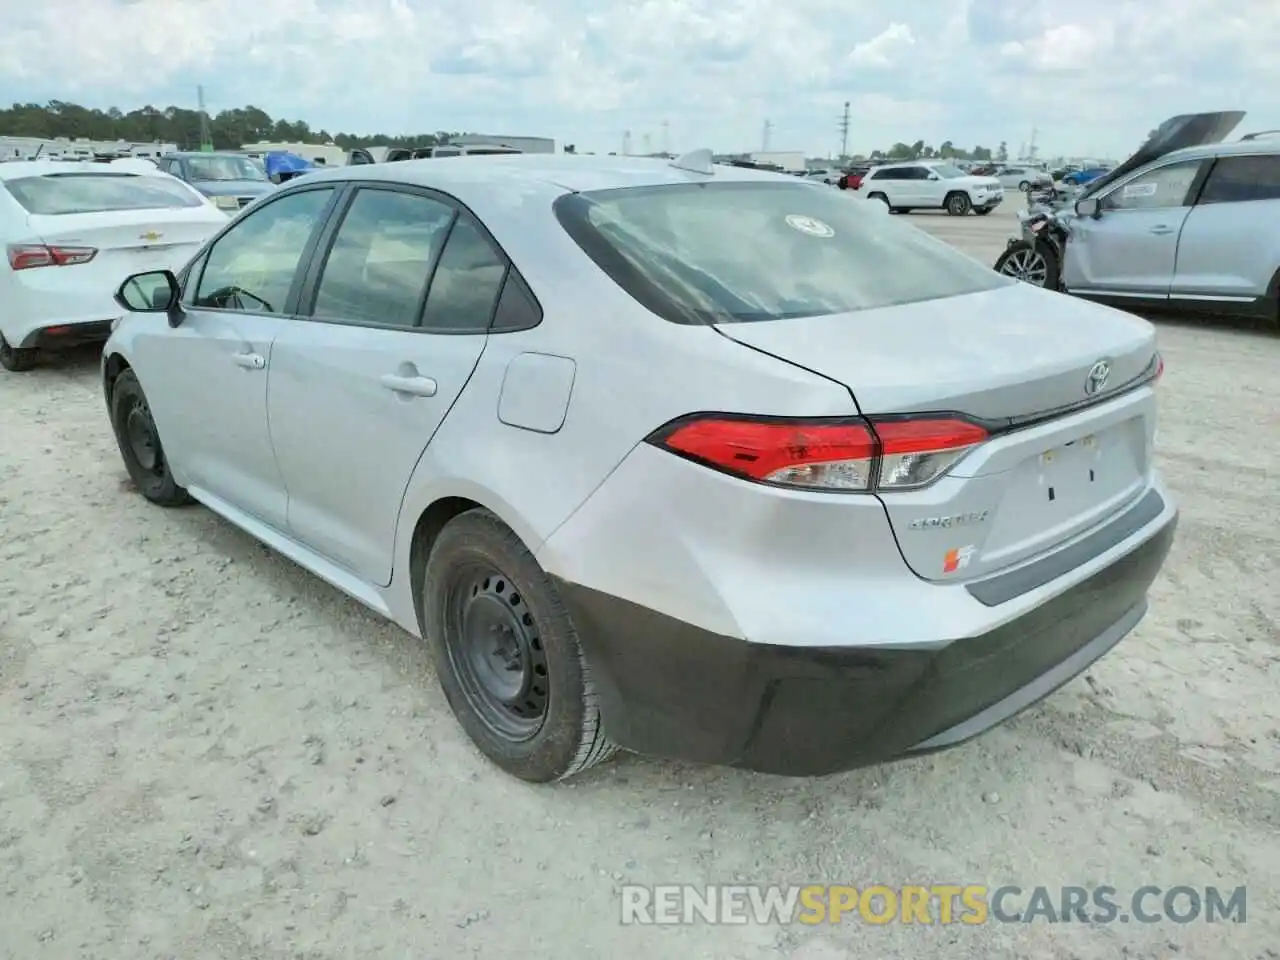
{"points": [[251, 361], [413, 386], [1161, 230]]}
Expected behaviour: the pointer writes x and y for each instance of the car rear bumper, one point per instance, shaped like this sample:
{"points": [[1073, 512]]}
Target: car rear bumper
{"points": [[58, 336], [674, 690]]}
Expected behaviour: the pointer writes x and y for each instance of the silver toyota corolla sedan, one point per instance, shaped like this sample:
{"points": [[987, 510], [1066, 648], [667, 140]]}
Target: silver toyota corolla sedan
{"points": [[692, 460]]}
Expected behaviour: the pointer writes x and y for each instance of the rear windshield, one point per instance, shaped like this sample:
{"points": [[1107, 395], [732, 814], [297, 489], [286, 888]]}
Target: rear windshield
{"points": [[63, 193], [743, 251]]}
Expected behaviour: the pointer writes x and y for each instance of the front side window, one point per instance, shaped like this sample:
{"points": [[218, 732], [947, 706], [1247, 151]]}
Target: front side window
{"points": [[741, 252], [55, 194], [252, 266], [1156, 189], [381, 259], [1243, 179], [466, 282], [216, 169]]}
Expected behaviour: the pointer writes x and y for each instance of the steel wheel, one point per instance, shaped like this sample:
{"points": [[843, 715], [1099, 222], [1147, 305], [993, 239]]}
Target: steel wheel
{"points": [[1027, 264], [496, 652]]}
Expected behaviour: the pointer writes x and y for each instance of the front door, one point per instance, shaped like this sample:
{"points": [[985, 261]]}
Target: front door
{"points": [[210, 388], [357, 392], [1131, 248]]}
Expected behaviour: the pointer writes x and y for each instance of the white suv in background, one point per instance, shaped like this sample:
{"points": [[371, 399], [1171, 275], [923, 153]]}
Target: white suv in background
{"points": [[931, 185]]}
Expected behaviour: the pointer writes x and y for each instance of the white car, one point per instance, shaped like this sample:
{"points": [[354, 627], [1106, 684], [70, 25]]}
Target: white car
{"points": [[931, 185], [1023, 178], [693, 460], [71, 233]]}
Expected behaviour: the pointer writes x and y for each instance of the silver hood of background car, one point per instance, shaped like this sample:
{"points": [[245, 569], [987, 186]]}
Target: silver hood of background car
{"points": [[1176, 133]]}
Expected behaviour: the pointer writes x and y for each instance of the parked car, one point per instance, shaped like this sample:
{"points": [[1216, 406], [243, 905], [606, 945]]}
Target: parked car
{"points": [[931, 185], [861, 515], [71, 232], [851, 179], [231, 180], [1078, 178], [1023, 178], [1189, 224]]}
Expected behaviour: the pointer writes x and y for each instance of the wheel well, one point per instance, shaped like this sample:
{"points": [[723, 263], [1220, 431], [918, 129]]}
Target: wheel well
{"points": [[114, 366], [956, 193], [425, 532]]}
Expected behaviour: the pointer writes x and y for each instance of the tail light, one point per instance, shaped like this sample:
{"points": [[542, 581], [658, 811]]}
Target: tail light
{"points": [[850, 455], [1159, 367], [28, 256]]}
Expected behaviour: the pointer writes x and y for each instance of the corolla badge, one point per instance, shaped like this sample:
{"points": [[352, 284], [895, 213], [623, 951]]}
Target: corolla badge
{"points": [[150, 236], [1097, 378]]}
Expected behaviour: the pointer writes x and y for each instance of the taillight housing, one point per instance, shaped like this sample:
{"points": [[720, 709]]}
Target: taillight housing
{"points": [[847, 455], [1159, 367], [29, 256]]}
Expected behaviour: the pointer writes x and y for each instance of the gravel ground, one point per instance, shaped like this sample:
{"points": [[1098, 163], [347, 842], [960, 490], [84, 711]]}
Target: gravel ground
{"points": [[206, 752]]}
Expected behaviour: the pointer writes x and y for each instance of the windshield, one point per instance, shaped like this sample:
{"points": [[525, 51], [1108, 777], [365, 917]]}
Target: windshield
{"points": [[743, 251], [64, 193], [224, 168], [947, 172]]}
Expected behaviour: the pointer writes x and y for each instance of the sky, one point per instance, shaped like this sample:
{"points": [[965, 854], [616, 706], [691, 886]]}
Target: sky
{"points": [[1092, 77]]}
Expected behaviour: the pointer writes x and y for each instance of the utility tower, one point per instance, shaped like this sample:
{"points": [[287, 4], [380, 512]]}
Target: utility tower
{"points": [[626, 143], [206, 139], [666, 137], [764, 140], [844, 131], [1032, 148]]}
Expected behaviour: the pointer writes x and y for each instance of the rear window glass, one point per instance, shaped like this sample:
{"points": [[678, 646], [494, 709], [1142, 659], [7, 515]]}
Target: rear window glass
{"points": [[64, 193], [726, 252]]}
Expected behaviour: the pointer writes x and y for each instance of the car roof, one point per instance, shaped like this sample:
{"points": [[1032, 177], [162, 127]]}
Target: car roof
{"points": [[206, 153], [39, 168], [570, 173], [1234, 148]]}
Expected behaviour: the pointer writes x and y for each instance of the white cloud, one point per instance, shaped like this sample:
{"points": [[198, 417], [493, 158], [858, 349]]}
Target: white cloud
{"points": [[1092, 75]]}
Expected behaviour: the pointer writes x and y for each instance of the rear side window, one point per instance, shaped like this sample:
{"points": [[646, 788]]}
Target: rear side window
{"points": [[66, 193], [466, 282], [743, 251], [1241, 179]]}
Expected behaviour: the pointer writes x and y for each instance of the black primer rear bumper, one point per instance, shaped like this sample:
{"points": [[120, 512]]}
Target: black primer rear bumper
{"points": [[671, 690], [61, 336]]}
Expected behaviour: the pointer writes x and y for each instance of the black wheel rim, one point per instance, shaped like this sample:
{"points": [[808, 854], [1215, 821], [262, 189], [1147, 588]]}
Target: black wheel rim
{"points": [[138, 431], [958, 205], [1028, 265], [496, 652]]}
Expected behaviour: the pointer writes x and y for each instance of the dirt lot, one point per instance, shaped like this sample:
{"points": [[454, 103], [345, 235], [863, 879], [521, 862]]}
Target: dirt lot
{"points": [[205, 752]]}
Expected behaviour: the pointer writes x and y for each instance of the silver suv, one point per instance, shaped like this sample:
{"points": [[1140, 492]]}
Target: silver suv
{"points": [[1195, 229]]}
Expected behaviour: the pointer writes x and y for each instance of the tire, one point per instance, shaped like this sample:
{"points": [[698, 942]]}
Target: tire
{"points": [[1024, 186], [481, 580], [983, 211], [899, 209], [139, 443], [881, 197], [16, 359], [957, 204], [1019, 261]]}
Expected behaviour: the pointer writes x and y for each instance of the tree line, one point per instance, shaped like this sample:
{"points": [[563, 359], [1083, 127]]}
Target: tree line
{"points": [[226, 130], [945, 151]]}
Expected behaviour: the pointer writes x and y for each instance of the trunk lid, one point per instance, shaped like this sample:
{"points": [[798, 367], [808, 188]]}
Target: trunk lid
{"points": [[149, 240], [1018, 358]]}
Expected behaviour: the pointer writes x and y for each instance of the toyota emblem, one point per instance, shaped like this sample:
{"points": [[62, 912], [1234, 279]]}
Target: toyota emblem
{"points": [[1097, 378]]}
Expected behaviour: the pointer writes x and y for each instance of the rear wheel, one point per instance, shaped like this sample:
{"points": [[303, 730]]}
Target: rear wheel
{"points": [[16, 359], [507, 655], [1024, 186], [139, 443], [958, 204], [1032, 263]]}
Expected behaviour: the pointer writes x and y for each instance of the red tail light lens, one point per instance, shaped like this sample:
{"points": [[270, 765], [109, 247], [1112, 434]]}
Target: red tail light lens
{"points": [[1159, 366], [834, 455], [28, 256]]}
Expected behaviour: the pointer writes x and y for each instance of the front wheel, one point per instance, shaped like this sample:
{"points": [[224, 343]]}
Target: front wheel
{"points": [[140, 446], [15, 359], [958, 204], [507, 654], [1024, 186], [1033, 263]]}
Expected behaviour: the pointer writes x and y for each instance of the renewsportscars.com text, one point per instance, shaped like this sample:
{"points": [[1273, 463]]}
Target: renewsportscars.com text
{"points": [[934, 904]]}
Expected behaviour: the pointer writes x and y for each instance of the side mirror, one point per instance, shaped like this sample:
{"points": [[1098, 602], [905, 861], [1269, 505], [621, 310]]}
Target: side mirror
{"points": [[153, 292], [1088, 208]]}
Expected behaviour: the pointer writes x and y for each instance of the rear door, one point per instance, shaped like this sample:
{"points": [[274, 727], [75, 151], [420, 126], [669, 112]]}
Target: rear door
{"points": [[1228, 247], [399, 307], [1131, 248], [207, 379]]}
